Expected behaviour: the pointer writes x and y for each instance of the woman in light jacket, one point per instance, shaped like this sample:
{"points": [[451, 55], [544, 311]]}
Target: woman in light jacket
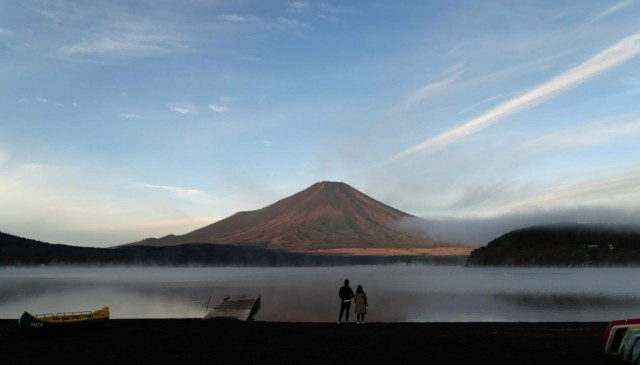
{"points": [[360, 300]]}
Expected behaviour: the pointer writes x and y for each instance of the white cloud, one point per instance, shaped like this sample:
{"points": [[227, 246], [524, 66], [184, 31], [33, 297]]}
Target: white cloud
{"points": [[611, 130], [332, 8], [512, 197], [331, 18], [267, 143], [237, 18], [112, 45], [4, 33], [129, 115], [298, 6], [127, 39], [613, 9], [47, 101], [192, 194], [610, 57], [182, 108], [173, 189], [291, 23], [429, 90], [621, 191], [218, 108]]}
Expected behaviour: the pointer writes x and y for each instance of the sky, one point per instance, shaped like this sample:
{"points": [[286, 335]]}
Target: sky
{"points": [[124, 120]]}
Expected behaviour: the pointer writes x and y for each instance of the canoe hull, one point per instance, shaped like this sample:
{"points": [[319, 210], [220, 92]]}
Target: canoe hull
{"points": [[71, 321]]}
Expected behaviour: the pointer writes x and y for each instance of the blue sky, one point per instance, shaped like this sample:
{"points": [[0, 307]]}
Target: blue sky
{"points": [[123, 120]]}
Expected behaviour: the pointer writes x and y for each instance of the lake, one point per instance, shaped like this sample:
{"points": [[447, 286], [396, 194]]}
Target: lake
{"points": [[397, 293]]}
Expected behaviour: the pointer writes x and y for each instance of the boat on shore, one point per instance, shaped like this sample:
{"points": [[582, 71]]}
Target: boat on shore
{"points": [[239, 307], [614, 334], [629, 339], [66, 321]]}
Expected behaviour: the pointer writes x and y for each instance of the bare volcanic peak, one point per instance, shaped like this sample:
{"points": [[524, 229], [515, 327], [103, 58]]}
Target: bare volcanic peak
{"points": [[325, 216]]}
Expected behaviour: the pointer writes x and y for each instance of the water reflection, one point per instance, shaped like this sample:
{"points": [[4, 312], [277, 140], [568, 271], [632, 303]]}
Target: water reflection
{"points": [[421, 293]]}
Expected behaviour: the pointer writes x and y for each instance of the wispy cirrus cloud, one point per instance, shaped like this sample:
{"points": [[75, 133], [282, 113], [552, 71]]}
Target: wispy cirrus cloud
{"points": [[237, 18], [218, 108], [611, 130], [182, 108], [173, 189], [429, 90], [129, 115], [290, 23], [503, 198], [110, 29], [180, 192], [609, 58], [221, 106], [5, 33], [115, 32], [47, 101], [613, 9], [139, 44], [590, 192], [298, 6]]}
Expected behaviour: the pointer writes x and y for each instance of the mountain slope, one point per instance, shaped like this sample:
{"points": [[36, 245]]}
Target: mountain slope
{"points": [[325, 216]]}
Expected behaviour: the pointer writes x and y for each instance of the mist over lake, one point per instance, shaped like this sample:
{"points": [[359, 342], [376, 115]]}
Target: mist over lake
{"points": [[418, 293]]}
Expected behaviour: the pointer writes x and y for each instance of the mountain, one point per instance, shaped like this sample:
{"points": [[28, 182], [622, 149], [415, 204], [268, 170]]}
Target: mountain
{"points": [[562, 244], [327, 217]]}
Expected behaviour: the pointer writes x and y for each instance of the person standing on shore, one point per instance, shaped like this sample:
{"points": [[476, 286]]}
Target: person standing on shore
{"points": [[346, 294], [360, 300]]}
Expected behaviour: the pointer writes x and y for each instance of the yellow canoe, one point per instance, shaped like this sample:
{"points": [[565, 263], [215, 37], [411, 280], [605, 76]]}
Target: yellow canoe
{"points": [[62, 321]]}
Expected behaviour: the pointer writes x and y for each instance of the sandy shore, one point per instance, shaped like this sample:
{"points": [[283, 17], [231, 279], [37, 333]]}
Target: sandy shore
{"points": [[197, 341]]}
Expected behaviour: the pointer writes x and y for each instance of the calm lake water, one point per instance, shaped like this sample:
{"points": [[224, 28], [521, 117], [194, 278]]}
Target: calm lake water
{"points": [[419, 293]]}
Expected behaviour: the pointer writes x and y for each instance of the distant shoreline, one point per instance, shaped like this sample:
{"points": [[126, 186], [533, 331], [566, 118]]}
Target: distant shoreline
{"points": [[198, 341]]}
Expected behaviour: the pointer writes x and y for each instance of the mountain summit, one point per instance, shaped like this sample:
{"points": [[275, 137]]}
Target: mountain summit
{"points": [[326, 217]]}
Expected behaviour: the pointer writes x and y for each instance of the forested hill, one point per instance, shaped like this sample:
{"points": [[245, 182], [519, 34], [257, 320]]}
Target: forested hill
{"points": [[18, 251], [562, 244]]}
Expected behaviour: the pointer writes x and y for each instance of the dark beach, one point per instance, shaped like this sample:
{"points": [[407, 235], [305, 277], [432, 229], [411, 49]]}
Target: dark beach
{"points": [[198, 341]]}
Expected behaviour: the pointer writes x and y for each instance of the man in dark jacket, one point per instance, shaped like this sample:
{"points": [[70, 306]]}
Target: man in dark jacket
{"points": [[345, 294]]}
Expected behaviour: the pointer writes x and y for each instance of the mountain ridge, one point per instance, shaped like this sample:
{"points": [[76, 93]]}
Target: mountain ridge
{"points": [[18, 251], [325, 217]]}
